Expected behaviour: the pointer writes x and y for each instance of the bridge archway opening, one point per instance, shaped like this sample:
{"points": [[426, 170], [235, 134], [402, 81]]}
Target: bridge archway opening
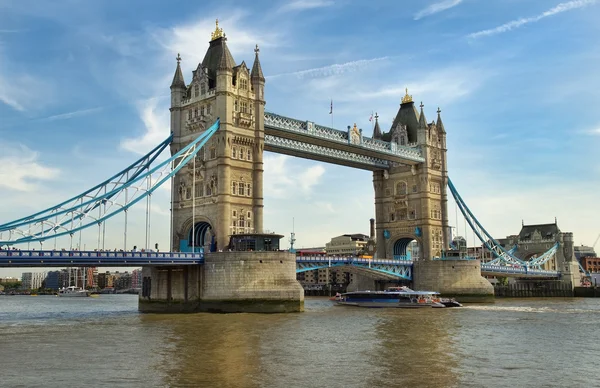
{"points": [[200, 237], [406, 248]]}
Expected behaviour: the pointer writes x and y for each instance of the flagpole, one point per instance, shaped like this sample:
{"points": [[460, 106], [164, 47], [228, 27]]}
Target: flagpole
{"points": [[331, 112]]}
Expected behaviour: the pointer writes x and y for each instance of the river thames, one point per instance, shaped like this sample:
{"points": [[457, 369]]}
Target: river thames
{"points": [[104, 342]]}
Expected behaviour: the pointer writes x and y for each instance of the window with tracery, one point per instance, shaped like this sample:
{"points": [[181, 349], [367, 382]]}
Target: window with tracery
{"points": [[248, 191], [401, 188], [234, 152], [196, 91]]}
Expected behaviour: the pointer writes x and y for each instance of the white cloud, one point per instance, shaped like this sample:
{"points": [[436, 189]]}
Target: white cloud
{"points": [[156, 121], [437, 7], [283, 179], [70, 115], [335, 69], [560, 8], [20, 169], [301, 5], [595, 131]]}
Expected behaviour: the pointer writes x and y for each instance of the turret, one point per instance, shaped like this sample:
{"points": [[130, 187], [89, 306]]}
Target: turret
{"points": [[422, 135], [258, 85], [177, 96], [376, 130], [178, 85]]}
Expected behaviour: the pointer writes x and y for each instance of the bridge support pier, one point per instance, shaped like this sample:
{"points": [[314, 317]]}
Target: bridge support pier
{"points": [[227, 282], [453, 278]]}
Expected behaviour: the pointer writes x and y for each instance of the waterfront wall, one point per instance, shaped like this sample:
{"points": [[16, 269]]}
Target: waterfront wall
{"points": [[263, 282], [537, 289], [456, 278]]}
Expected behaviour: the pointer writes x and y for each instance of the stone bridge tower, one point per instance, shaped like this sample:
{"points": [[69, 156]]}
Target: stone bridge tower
{"points": [[220, 193], [411, 201]]}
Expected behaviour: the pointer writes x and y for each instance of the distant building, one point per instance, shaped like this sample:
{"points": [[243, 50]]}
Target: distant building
{"points": [[584, 251], [591, 264], [52, 280], [347, 245], [319, 251], [26, 278], [136, 278], [9, 280]]}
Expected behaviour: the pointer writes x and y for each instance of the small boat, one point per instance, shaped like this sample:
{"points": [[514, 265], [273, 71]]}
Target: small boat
{"points": [[395, 297], [337, 296], [450, 302], [73, 291]]}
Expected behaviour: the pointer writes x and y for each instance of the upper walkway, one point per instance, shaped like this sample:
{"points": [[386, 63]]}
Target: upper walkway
{"points": [[306, 139]]}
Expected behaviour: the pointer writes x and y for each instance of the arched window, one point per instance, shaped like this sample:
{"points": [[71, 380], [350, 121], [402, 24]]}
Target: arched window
{"points": [[202, 110], [234, 188], [401, 188], [234, 152], [203, 88], [241, 189], [196, 91], [242, 153], [249, 155], [213, 153], [189, 114], [248, 191], [235, 105], [402, 140], [208, 190]]}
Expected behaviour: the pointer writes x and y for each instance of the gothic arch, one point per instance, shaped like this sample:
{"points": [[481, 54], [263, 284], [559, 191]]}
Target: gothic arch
{"points": [[398, 245]]}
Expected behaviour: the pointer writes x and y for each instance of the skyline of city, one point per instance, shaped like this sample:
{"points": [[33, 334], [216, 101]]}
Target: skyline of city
{"points": [[515, 150]]}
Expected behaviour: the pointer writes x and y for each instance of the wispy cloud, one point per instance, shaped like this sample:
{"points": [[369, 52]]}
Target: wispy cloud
{"points": [[514, 24], [335, 69], [437, 7], [595, 131], [20, 169], [70, 115], [301, 5], [156, 123], [283, 178]]}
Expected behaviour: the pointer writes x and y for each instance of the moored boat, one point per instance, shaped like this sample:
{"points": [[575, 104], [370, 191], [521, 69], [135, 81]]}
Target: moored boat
{"points": [[73, 291], [394, 297]]}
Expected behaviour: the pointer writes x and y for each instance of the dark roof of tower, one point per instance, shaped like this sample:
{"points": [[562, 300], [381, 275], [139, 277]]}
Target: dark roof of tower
{"points": [[257, 72], [178, 80], [217, 57], [546, 230], [408, 115], [439, 124], [376, 129]]}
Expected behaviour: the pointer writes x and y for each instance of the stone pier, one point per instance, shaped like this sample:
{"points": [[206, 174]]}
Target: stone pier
{"points": [[227, 282], [453, 278]]}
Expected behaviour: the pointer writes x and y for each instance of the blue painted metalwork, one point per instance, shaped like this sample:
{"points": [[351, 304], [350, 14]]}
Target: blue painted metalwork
{"points": [[81, 212], [307, 128], [491, 269], [367, 162], [129, 173], [17, 259], [391, 268], [490, 243]]}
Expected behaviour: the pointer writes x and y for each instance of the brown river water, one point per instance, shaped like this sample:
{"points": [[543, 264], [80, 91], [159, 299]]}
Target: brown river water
{"points": [[104, 342]]}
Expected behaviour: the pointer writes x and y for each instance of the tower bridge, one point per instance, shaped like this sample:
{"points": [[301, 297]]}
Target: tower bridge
{"points": [[219, 132]]}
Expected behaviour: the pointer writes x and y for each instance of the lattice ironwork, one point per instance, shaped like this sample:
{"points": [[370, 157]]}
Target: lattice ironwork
{"points": [[312, 149], [96, 206], [308, 128], [391, 268], [502, 255]]}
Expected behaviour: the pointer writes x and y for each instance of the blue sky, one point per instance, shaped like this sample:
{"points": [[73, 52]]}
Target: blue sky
{"points": [[84, 89]]}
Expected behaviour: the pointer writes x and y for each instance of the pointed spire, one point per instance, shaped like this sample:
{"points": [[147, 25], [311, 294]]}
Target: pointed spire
{"points": [[226, 62], [422, 120], [439, 124], [376, 130], [257, 72], [178, 81]]}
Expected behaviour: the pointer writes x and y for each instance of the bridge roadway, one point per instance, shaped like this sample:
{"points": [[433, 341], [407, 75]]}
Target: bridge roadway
{"points": [[388, 268]]}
